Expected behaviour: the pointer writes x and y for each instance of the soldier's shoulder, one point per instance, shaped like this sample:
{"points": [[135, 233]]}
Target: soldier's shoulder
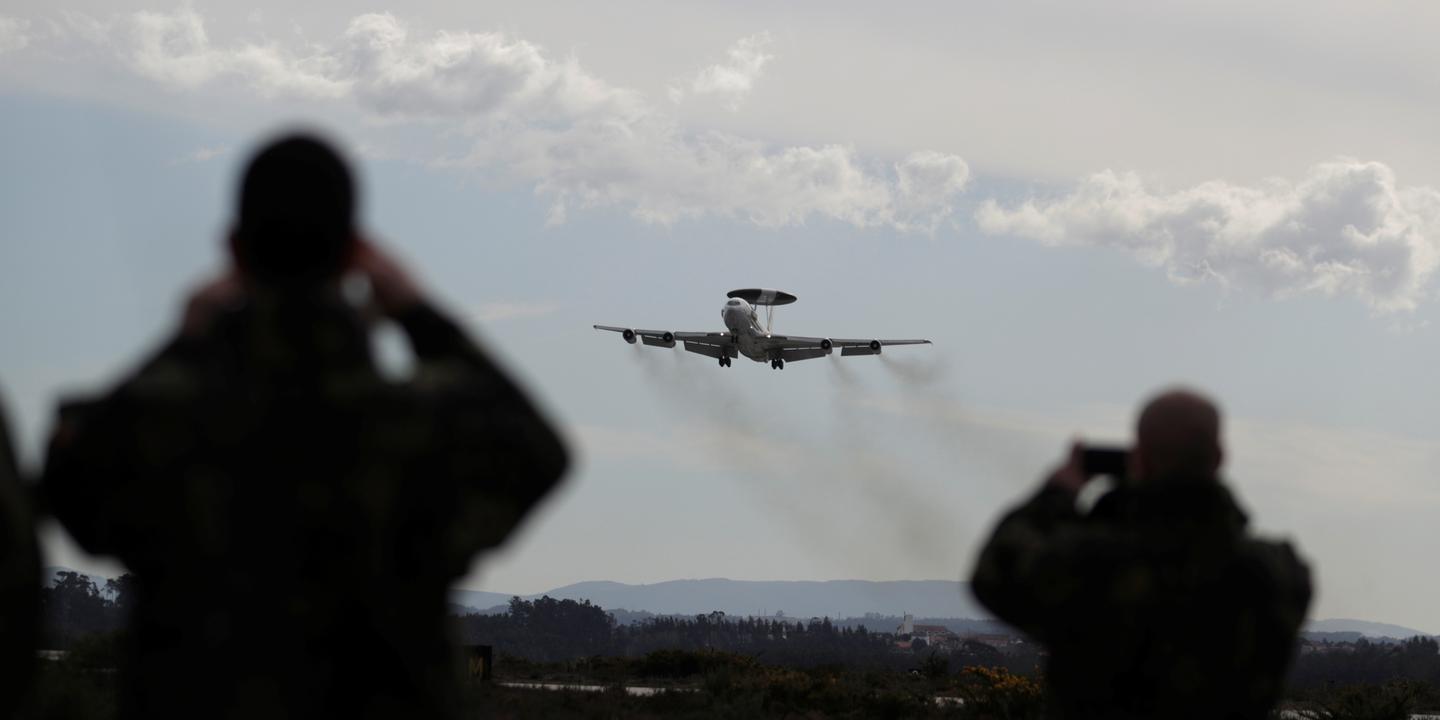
{"points": [[1273, 550], [158, 381], [174, 369], [162, 378], [1278, 561]]}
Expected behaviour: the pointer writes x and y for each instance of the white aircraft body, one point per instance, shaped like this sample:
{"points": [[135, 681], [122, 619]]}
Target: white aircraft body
{"points": [[745, 336]]}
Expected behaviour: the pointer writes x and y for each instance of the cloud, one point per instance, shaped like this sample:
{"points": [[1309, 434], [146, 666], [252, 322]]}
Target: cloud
{"points": [[926, 184], [525, 116], [13, 34], [468, 75], [665, 175], [174, 49], [1345, 229], [586, 143], [731, 81], [85, 27]]}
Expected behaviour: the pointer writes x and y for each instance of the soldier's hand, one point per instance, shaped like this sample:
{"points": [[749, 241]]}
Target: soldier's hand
{"points": [[211, 299], [390, 285], [1070, 475]]}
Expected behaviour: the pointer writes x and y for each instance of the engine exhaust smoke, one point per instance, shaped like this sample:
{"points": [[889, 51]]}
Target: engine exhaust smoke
{"points": [[788, 469]]}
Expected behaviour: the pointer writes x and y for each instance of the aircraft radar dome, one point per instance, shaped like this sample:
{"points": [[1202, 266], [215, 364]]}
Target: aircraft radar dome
{"points": [[763, 296]]}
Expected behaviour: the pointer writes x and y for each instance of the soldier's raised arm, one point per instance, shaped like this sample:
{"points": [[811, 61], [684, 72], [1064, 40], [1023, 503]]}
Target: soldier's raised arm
{"points": [[501, 446], [1031, 573]]}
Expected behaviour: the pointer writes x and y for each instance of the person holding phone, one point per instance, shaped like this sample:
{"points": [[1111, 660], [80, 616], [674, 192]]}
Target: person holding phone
{"points": [[1157, 602], [293, 518]]}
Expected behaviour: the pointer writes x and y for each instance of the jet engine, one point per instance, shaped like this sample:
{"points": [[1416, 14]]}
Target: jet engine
{"points": [[871, 348], [629, 336], [825, 344], [666, 339]]}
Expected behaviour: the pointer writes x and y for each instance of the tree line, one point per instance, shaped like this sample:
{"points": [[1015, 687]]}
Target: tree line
{"points": [[73, 607], [1365, 663], [550, 630]]}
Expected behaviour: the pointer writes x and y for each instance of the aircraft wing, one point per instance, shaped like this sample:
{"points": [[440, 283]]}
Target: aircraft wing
{"points": [[794, 347], [666, 338], [883, 342], [787, 342], [795, 342], [704, 338]]}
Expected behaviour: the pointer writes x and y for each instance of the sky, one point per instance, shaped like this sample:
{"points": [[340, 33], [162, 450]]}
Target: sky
{"points": [[1079, 205]]}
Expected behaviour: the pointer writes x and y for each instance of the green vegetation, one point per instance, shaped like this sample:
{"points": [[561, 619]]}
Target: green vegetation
{"points": [[82, 686], [1367, 663], [550, 630], [716, 684], [712, 684], [710, 666], [1395, 700]]}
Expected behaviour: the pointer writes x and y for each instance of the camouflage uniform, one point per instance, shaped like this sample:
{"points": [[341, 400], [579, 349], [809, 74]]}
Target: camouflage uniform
{"points": [[1154, 605], [19, 581], [295, 520]]}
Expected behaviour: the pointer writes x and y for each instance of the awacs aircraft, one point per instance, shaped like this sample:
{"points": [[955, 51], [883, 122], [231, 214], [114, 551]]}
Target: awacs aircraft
{"points": [[746, 336]]}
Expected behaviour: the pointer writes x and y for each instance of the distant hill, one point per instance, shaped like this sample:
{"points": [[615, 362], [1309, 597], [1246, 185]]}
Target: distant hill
{"points": [[1362, 627], [796, 598], [480, 601], [1334, 637], [944, 601]]}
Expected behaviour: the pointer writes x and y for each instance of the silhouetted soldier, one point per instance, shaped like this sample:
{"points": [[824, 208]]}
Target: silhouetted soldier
{"points": [[19, 581], [1157, 603], [295, 521]]}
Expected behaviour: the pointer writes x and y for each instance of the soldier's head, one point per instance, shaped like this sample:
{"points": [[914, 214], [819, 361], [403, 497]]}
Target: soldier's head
{"points": [[1177, 439], [296, 225]]}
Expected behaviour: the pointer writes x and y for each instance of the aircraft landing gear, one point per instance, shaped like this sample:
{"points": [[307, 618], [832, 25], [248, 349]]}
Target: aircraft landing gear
{"points": [[724, 361], [777, 364]]}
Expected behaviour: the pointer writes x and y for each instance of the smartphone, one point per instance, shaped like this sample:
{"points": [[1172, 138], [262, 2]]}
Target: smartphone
{"points": [[1109, 461]]}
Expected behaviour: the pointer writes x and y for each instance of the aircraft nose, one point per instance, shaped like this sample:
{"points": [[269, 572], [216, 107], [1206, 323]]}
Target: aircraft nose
{"points": [[730, 313]]}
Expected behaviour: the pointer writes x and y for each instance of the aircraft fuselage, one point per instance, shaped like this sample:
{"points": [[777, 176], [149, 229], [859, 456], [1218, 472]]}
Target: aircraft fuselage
{"points": [[744, 325], [748, 337]]}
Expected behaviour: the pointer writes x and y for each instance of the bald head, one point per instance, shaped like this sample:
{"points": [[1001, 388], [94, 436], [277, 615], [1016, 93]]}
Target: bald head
{"points": [[1177, 438]]}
